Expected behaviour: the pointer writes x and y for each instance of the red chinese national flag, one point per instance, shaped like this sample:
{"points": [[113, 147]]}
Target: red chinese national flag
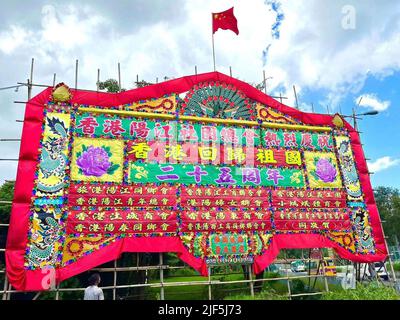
{"points": [[225, 20]]}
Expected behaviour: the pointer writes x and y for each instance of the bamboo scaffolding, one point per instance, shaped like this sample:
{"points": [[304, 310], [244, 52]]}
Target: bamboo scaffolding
{"points": [[162, 284]]}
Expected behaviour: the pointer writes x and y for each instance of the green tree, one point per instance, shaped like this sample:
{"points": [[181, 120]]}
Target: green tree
{"points": [[6, 194], [388, 202], [111, 85]]}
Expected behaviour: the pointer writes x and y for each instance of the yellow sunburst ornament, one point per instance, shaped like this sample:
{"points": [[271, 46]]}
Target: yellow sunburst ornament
{"points": [[61, 93]]}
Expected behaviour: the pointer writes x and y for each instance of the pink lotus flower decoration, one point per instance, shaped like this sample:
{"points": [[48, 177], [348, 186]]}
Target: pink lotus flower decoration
{"points": [[325, 170], [94, 162]]}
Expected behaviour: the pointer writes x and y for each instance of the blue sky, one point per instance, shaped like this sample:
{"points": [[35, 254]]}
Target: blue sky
{"points": [[333, 51], [380, 133]]}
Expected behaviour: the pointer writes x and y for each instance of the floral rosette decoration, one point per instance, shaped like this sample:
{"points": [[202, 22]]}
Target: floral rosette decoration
{"points": [[95, 161], [325, 171]]}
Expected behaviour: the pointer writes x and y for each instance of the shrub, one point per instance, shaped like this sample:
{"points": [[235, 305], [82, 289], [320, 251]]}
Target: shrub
{"points": [[371, 291], [263, 295]]}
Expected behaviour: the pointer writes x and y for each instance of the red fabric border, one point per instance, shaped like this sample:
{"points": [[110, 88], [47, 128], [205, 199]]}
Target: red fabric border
{"points": [[31, 280]]}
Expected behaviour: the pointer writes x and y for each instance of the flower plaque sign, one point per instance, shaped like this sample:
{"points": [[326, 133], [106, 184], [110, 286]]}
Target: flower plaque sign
{"points": [[205, 166]]}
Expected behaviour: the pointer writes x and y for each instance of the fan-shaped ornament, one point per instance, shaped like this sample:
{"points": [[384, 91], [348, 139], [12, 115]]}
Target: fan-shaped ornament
{"points": [[218, 100]]}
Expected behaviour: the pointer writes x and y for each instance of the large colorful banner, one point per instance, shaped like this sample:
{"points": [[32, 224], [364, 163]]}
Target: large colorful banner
{"points": [[205, 166]]}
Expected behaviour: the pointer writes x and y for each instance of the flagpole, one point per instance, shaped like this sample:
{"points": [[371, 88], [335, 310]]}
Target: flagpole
{"points": [[212, 39]]}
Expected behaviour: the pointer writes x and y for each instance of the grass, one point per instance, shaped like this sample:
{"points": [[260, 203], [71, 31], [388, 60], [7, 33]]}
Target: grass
{"points": [[271, 290], [263, 295], [199, 292], [371, 291]]}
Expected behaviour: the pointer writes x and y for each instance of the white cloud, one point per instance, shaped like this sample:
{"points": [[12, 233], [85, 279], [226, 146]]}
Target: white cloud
{"points": [[314, 51], [382, 164], [13, 38], [371, 101]]}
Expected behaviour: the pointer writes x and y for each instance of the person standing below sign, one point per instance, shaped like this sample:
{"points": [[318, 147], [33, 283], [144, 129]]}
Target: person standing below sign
{"points": [[93, 292]]}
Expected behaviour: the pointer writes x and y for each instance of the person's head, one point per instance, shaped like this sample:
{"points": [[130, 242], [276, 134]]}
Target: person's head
{"points": [[94, 279]]}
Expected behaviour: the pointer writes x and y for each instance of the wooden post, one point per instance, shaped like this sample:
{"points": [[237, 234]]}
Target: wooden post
{"points": [[295, 96], [209, 284], [115, 280], [57, 292], [76, 74], [9, 292], [195, 70], [119, 77], [265, 83], [54, 80], [287, 277], [5, 287], [309, 268], [30, 81], [162, 297], [323, 272], [98, 80], [354, 119], [230, 71], [250, 272], [387, 248]]}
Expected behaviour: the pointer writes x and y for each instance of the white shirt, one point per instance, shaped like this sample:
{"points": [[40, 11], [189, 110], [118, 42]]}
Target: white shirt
{"points": [[93, 293]]}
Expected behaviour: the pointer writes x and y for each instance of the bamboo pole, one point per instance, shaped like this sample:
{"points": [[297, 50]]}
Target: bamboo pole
{"points": [[287, 275], [5, 289], [119, 77], [324, 273], [76, 74], [250, 272], [295, 96], [98, 80], [115, 280], [209, 284], [265, 83], [161, 276], [30, 81]]}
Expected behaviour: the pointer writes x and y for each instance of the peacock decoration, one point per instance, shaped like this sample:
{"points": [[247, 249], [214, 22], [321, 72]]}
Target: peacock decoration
{"points": [[218, 100]]}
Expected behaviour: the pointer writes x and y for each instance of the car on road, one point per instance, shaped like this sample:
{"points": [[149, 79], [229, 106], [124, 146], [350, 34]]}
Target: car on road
{"points": [[298, 266]]}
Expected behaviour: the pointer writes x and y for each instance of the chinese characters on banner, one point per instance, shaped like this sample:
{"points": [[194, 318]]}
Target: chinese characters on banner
{"points": [[215, 178]]}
